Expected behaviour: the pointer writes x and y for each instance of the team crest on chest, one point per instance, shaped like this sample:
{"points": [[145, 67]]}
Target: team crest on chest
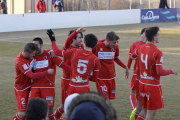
{"points": [[101, 49], [112, 49], [45, 57]]}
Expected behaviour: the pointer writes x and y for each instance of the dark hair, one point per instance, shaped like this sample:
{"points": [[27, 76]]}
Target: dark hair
{"points": [[37, 109], [90, 40], [30, 47], [101, 101], [143, 30], [151, 32], [70, 32], [112, 36], [39, 40]]}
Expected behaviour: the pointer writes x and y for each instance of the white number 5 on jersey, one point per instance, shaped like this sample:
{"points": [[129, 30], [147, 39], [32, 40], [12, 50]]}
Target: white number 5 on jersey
{"points": [[82, 63]]}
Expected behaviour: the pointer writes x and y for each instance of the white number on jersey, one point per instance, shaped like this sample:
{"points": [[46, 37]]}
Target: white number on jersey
{"points": [[82, 63], [144, 61], [22, 101]]}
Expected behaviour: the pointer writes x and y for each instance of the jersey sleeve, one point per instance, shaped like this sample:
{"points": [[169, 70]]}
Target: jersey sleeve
{"points": [[159, 58], [101, 40], [117, 51], [23, 67], [68, 53], [56, 60], [55, 48], [94, 77], [70, 39]]}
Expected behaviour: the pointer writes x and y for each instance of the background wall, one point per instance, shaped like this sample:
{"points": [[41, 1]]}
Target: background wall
{"points": [[39, 21]]}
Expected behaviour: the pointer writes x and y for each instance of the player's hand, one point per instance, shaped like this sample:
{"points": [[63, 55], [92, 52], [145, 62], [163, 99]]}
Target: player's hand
{"points": [[51, 35], [51, 53], [50, 71], [79, 30], [127, 73], [174, 71], [143, 38]]}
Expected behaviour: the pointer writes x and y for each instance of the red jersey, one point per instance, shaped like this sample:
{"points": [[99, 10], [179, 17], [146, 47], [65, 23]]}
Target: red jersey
{"points": [[42, 63], [66, 74], [22, 66], [149, 57], [83, 62], [106, 56], [132, 48]]}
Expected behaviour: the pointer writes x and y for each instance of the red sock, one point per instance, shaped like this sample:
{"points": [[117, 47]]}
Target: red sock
{"points": [[16, 117], [136, 115], [58, 113], [140, 117], [133, 100], [51, 116], [62, 118]]}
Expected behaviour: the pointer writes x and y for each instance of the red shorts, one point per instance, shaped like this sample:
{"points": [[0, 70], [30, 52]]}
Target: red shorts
{"points": [[107, 88], [46, 93], [22, 99], [151, 96], [64, 88], [77, 89]]}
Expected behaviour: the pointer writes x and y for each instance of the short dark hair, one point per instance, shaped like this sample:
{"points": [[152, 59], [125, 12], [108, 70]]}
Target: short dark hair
{"points": [[90, 40], [112, 36], [37, 109], [39, 40], [151, 32], [30, 47], [143, 30], [71, 31]]}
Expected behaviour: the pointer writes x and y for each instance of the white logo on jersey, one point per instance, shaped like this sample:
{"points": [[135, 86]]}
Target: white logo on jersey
{"points": [[25, 67], [161, 60], [106, 55], [41, 64], [101, 49], [146, 77]]}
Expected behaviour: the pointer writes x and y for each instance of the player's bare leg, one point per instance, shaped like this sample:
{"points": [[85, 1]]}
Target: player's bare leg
{"points": [[51, 114], [138, 109], [150, 114], [142, 114]]}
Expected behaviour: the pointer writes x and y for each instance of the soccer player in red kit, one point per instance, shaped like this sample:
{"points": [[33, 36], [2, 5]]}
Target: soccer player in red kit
{"points": [[44, 87], [83, 62], [134, 87], [74, 40], [150, 62], [23, 65], [108, 51]]}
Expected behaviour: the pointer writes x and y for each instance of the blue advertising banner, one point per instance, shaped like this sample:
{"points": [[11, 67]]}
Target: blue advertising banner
{"points": [[149, 15], [168, 14]]}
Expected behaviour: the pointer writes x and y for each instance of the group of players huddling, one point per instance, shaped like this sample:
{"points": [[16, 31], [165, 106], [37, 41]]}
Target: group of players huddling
{"points": [[36, 70]]}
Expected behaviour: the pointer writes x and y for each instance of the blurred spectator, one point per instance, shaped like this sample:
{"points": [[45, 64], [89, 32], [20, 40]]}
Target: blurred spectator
{"points": [[4, 6], [37, 109], [89, 106], [163, 4], [41, 6], [0, 7], [59, 6]]}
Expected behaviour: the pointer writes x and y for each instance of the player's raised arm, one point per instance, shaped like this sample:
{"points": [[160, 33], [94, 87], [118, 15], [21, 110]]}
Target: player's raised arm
{"points": [[70, 38], [55, 48]]}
